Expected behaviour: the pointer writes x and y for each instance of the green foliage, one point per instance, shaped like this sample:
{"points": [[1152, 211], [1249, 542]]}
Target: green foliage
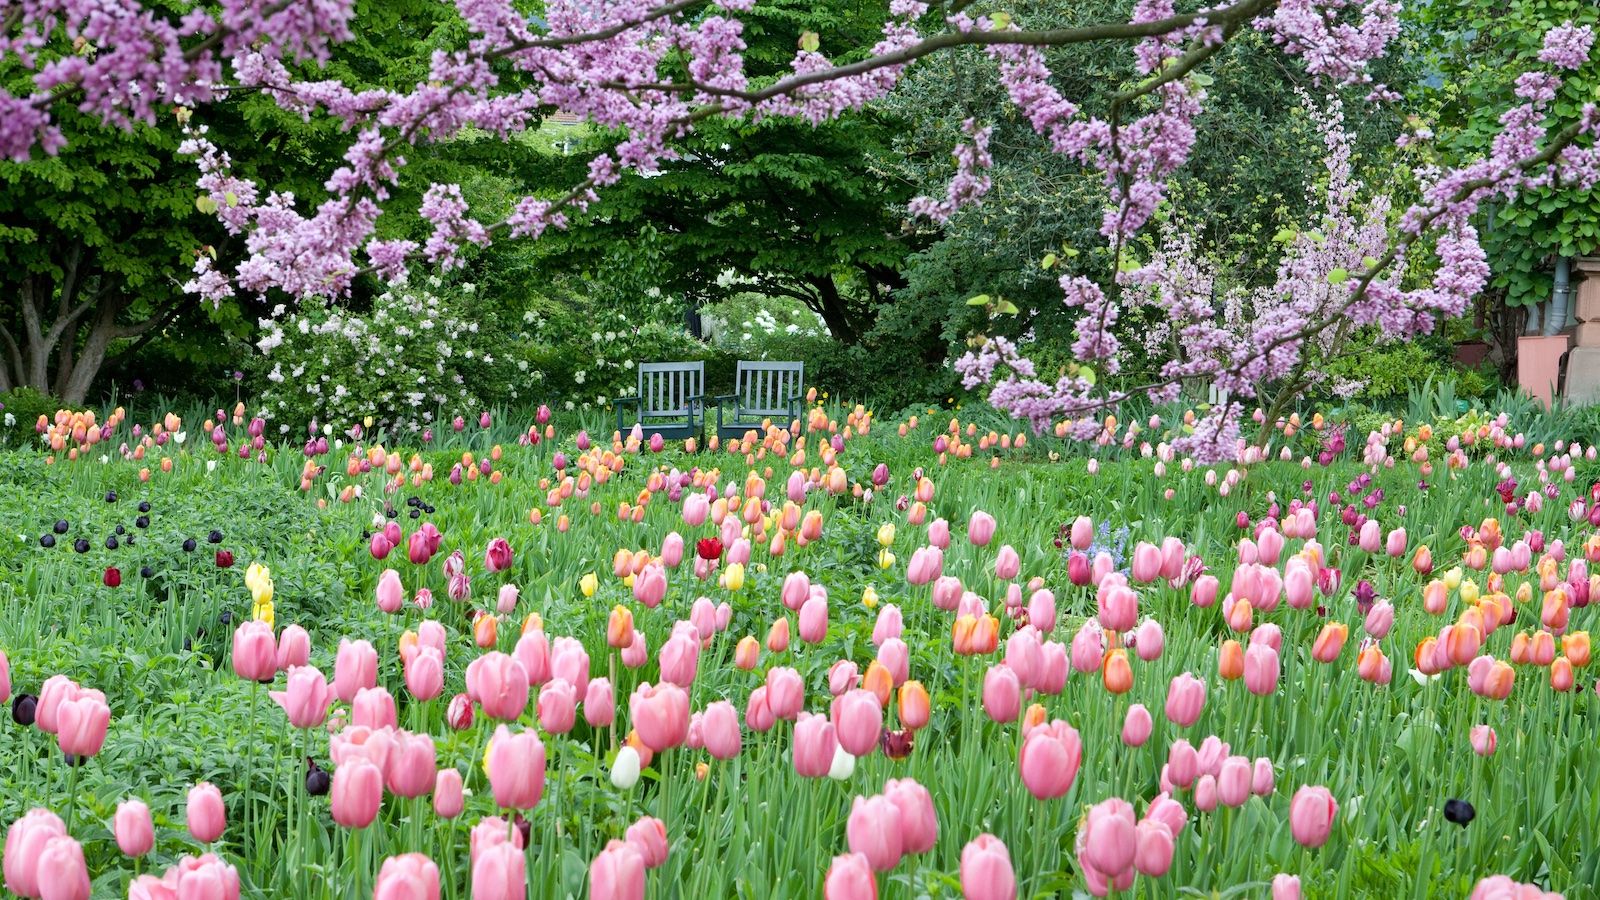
{"points": [[22, 408], [1473, 50]]}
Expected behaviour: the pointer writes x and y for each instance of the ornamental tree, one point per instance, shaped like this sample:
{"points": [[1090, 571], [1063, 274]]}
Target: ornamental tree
{"points": [[653, 69]]}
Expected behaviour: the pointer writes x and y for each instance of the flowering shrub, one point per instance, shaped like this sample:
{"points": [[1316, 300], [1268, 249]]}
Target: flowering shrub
{"points": [[417, 354], [584, 361]]}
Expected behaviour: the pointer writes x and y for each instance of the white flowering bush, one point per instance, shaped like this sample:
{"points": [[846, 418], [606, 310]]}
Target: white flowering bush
{"points": [[420, 354]]}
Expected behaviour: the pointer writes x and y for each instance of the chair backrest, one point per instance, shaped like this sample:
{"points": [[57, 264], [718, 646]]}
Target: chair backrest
{"points": [[665, 388], [765, 388]]}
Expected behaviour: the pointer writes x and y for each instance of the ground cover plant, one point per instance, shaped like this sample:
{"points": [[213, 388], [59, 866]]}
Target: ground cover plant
{"points": [[902, 657]]}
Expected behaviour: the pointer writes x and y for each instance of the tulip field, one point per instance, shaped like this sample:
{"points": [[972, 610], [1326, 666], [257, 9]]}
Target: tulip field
{"points": [[923, 655]]}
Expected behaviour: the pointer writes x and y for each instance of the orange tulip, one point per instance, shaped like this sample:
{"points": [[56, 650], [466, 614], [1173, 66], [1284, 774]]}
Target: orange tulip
{"points": [[1463, 643], [1115, 672], [1230, 664], [486, 630], [915, 707], [748, 654], [778, 635], [1575, 647], [880, 681], [1330, 642], [619, 630], [1561, 674]]}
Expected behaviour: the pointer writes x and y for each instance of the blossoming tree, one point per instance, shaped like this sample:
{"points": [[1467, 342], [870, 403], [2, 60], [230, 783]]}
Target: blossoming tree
{"points": [[653, 69]]}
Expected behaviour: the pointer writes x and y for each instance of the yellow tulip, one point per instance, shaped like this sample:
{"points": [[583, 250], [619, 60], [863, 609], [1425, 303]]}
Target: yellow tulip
{"points": [[869, 597], [733, 576], [1452, 578], [588, 583], [885, 559], [886, 534]]}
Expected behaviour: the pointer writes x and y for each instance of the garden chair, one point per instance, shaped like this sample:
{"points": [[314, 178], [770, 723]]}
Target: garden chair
{"points": [[761, 390], [670, 400]]}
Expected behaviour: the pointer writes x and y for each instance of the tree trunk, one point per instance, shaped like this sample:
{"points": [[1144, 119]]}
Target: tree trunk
{"points": [[831, 306], [75, 388]]}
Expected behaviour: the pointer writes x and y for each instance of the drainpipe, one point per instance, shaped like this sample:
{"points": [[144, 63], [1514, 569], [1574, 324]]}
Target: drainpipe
{"points": [[1560, 298], [1532, 327]]}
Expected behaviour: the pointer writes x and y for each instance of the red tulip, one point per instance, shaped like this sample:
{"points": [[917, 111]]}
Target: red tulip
{"points": [[113, 576]]}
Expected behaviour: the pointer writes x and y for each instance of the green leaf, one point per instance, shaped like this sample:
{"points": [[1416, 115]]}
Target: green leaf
{"points": [[205, 204], [1007, 308], [1049, 261], [1369, 262], [231, 198], [1202, 79], [999, 21], [1338, 276], [809, 41], [980, 300], [1285, 235]]}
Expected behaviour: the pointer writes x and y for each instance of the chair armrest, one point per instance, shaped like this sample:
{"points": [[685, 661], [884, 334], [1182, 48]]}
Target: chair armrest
{"points": [[620, 401]]}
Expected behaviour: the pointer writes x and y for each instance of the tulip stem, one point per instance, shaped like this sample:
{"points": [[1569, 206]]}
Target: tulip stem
{"points": [[250, 766], [72, 790]]}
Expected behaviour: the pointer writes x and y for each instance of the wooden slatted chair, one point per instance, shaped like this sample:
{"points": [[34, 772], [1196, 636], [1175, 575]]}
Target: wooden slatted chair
{"points": [[762, 390], [670, 401]]}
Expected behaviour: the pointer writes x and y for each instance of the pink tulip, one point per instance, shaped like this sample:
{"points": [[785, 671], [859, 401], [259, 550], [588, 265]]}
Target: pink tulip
{"points": [[1152, 848], [986, 872], [895, 656], [919, 823], [1262, 779], [719, 729], [1042, 610], [1233, 781], [1395, 543], [25, 843], [499, 684], [134, 830], [1002, 693], [1186, 699], [1205, 793], [1483, 740], [648, 836], [82, 724], [890, 624], [516, 764], [1371, 536], [1136, 726], [637, 653], [939, 533], [1260, 669], [1311, 814], [874, 830], [1380, 619], [55, 690], [850, 878], [679, 659], [294, 648], [374, 708], [1088, 647], [411, 771], [785, 692], [1269, 546], [815, 741], [672, 550], [1082, 533], [650, 585], [391, 593], [1119, 607], [418, 549], [497, 556], [1285, 886], [796, 589], [355, 667], [1049, 759], [1024, 655], [660, 715], [506, 600], [424, 674], [569, 660], [927, 565], [858, 722], [600, 703], [500, 873], [814, 619], [305, 698], [1053, 668], [1007, 564], [1109, 837], [557, 706], [206, 815], [449, 796], [255, 652], [1204, 592], [62, 873], [380, 546], [1146, 562], [1183, 763], [1169, 812], [980, 528], [411, 876], [533, 651], [1149, 640]]}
